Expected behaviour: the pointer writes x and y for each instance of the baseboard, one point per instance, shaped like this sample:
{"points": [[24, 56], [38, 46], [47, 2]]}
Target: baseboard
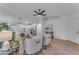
{"points": [[60, 38], [73, 42], [69, 41]]}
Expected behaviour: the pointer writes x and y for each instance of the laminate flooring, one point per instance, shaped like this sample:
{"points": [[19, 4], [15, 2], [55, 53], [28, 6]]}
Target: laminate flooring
{"points": [[61, 47]]}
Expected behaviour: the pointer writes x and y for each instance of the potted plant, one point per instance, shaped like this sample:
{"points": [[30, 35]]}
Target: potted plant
{"points": [[4, 26], [14, 43]]}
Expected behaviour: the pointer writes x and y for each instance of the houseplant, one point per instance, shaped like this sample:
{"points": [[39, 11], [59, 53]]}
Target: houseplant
{"points": [[4, 26], [14, 43]]}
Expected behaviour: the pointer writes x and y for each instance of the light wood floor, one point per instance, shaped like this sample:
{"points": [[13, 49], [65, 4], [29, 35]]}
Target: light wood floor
{"points": [[61, 47]]}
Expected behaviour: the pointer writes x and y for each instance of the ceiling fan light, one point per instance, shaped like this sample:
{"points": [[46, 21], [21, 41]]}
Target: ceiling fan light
{"points": [[26, 22], [39, 15]]}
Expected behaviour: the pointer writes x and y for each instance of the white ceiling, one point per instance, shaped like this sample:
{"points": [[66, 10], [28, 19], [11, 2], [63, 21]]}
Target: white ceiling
{"points": [[12, 11]]}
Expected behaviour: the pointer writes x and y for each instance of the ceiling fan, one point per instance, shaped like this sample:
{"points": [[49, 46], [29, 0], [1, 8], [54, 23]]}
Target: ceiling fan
{"points": [[39, 12]]}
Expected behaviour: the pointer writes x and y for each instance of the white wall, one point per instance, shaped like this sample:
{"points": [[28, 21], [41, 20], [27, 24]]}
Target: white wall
{"points": [[59, 27], [66, 27], [73, 27]]}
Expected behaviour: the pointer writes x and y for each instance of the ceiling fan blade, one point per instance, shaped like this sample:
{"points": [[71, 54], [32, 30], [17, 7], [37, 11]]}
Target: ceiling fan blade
{"points": [[43, 14], [35, 11], [43, 11], [39, 10], [35, 14]]}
